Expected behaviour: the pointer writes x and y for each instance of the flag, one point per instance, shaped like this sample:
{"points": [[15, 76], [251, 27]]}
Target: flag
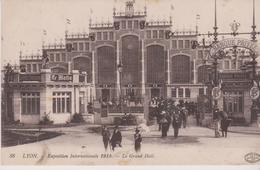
{"points": [[172, 7], [197, 16], [44, 32], [68, 21]]}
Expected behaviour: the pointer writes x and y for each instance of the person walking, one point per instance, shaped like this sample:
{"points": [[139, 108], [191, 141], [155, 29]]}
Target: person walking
{"points": [[106, 136], [176, 123], [116, 138], [225, 122], [138, 140], [164, 125], [216, 119], [184, 116]]}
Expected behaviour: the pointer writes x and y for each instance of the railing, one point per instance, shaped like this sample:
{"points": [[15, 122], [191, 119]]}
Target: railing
{"points": [[102, 25], [123, 14], [77, 35], [53, 46], [30, 77], [31, 57], [159, 23]]}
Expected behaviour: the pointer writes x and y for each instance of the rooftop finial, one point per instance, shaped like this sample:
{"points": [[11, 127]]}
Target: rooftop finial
{"points": [[129, 8], [253, 33], [215, 25]]}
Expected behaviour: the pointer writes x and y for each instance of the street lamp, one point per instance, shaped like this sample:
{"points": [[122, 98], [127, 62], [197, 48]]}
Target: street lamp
{"points": [[120, 70]]}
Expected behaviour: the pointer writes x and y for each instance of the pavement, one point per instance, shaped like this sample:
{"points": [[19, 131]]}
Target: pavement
{"points": [[194, 146]]}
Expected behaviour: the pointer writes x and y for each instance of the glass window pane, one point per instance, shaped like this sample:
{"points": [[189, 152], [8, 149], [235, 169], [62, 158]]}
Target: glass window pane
{"points": [[63, 57], [105, 37], [129, 24], [63, 105], [75, 46], [148, 34], [29, 68], [58, 105], [201, 91], [187, 43], [29, 105], [23, 105], [68, 105], [58, 57], [155, 34], [99, 36], [174, 92], [87, 46], [111, 36], [52, 57], [39, 67], [180, 91], [54, 105], [34, 68], [187, 92], [180, 43], [161, 34], [38, 106], [174, 44], [123, 24], [81, 46], [33, 106], [136, 24]]}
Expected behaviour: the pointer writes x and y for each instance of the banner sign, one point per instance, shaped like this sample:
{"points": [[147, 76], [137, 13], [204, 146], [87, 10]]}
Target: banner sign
{"points": [[61, 77], [230, 42]]}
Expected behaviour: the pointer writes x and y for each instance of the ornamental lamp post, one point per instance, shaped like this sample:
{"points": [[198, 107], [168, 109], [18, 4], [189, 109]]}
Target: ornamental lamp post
{"points": [[254, 107], [120, 70]]}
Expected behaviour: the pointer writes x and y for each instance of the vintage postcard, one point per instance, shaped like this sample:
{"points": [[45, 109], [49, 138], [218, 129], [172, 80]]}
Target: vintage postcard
{"points": [[125, 82]]}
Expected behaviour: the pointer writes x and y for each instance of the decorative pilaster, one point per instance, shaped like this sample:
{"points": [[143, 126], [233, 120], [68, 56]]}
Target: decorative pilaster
{"points": [[143, 78], [117, 71], [168, 89], [194, 72], [93, 76]]}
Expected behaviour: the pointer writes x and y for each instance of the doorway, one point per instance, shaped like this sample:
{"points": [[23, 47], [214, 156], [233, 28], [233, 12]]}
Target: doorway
{"points": [[105, 95], [155, 92]]}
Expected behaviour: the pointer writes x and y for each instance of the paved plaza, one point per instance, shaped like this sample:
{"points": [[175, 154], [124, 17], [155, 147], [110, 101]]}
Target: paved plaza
{"points": [[195, 145]]}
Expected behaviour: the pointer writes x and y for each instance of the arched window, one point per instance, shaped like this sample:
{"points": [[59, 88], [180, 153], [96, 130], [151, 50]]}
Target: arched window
{"points": [[83, 64], [131, 60], [155, 64], [203, 74], [106, 65], [181, 69]]}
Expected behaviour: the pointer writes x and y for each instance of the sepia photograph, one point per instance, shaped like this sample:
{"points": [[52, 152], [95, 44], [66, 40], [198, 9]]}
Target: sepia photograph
{"points": [[130, 82]]}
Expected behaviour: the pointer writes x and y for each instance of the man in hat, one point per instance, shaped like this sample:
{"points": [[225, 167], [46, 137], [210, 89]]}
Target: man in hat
{"points": [[216, 119], [225, 122], [138, 140], [176, 121], [164, 125], [106, 136], [116, 138]]}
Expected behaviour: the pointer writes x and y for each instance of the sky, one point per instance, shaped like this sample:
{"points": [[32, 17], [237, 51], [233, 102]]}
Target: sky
{"points": [[24, 20]]}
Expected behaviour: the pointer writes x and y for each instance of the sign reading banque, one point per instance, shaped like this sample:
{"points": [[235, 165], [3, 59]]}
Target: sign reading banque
{"points": [[231, 42]]}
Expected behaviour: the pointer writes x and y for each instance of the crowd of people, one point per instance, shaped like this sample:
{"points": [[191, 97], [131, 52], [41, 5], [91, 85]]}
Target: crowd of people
{"points": [[168, 112]]}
